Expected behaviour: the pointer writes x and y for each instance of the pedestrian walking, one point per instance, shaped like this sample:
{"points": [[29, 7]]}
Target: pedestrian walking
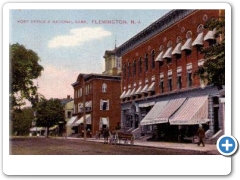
{"points": [[201, 135]]}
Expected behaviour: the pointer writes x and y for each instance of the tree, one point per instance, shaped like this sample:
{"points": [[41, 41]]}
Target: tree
{"points": [[49, 113], [24, 68], [213, 69], [21, 121]]}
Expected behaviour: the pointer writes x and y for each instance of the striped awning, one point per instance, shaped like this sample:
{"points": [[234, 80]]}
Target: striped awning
{"points": [[210, 35], [187, 45], [153, 113], [73, 118], [177, 49], [128, 93], [169, 110], [151, 87], [79, 121], [138, 91], [198, 40], [168, 53], [145, 88], [193, 111], [133, 92], [159, 57], [123, 95]]}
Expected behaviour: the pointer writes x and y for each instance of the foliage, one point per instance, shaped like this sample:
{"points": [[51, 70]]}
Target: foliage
{"points": [[49, 113], [24, 68], [213, 69], [21, 121]]}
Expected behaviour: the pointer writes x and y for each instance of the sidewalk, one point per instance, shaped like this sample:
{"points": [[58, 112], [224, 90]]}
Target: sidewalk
{"points": [[210, 148]]}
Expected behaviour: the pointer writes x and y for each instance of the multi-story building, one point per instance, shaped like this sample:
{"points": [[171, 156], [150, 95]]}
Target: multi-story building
{"points": [[96, 96], [159, 89]]}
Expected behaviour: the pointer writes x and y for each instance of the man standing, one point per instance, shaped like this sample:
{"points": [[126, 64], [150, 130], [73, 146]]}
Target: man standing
{"points": [[201, 135]]}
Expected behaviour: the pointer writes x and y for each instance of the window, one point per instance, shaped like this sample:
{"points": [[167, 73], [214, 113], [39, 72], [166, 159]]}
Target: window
{"points": [[69, 114], [140, 65], [124, 72], [146, 62], [189, 79], [134, 67], [161, 86], [104, 104], [179, 82], [153, 59], [129, 69], [170, 84], [104, 87]]}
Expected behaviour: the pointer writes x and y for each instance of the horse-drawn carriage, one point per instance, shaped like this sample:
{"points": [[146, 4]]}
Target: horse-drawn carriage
{"points": [[117, 137]]}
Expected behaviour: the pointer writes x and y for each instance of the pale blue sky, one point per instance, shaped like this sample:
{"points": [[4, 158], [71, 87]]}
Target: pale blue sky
{"points": [[67, 49]]}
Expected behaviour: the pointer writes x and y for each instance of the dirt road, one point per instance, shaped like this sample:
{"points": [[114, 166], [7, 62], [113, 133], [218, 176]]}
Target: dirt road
{"points": [[58, 146]]}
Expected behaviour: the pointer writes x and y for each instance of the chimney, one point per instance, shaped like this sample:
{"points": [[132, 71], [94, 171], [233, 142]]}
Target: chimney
{"points": [[68, 96]]}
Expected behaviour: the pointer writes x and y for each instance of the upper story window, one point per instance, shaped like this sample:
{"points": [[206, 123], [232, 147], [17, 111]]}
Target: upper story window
{"points": [[140, 65], [129, 69], [134, 67], [104, 104], [124, 72], [153, 58], [104, 87], [146, 62]]}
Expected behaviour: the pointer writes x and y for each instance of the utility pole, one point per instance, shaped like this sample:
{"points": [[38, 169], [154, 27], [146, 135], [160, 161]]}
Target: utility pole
{"points": [[84, 111]]}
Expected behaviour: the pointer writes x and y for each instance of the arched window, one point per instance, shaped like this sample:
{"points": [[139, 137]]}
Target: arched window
{"points": [[134, 67], [104, 87], [140, 65], [146, 62], [129, 69], [153, 59]]}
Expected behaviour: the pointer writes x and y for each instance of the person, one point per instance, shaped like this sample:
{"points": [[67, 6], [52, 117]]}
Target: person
{"points": [[105, 135], [201, 135]]}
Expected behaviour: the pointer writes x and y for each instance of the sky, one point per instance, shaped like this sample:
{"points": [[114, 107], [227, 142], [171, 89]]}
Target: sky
{"points": [[72, 41]]}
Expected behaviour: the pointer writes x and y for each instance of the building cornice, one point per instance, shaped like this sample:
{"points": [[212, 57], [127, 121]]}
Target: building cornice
{"points": [[156, 27]]}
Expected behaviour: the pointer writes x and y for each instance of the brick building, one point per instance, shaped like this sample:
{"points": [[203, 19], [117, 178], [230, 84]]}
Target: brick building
{"points": [[159, 91], [99, 95]]}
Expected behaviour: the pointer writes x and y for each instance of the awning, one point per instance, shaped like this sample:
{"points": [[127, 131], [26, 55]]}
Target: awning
{"points": [[133, 92], [159, 57], [187, 45], [146, 104], [144, 89], [193, 111], [79, 121], [198, 40], [53, 127], [169, 110], [88, 104], [73, 118], [177, 49], [210, 35], [128, 93], [153, 113], [168, 53], [80, 105], [123, 95], [104, 121], [151, 87], [37, 129], [138, 91]]}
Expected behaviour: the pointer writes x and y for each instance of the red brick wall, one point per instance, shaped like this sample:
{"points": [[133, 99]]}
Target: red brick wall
{"points": [[190, 23], [112, 94]]}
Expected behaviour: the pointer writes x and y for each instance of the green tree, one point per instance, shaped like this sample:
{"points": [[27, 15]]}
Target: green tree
{"points": [[21, 121], [24, 68], [213, 69], [49, 113]]}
